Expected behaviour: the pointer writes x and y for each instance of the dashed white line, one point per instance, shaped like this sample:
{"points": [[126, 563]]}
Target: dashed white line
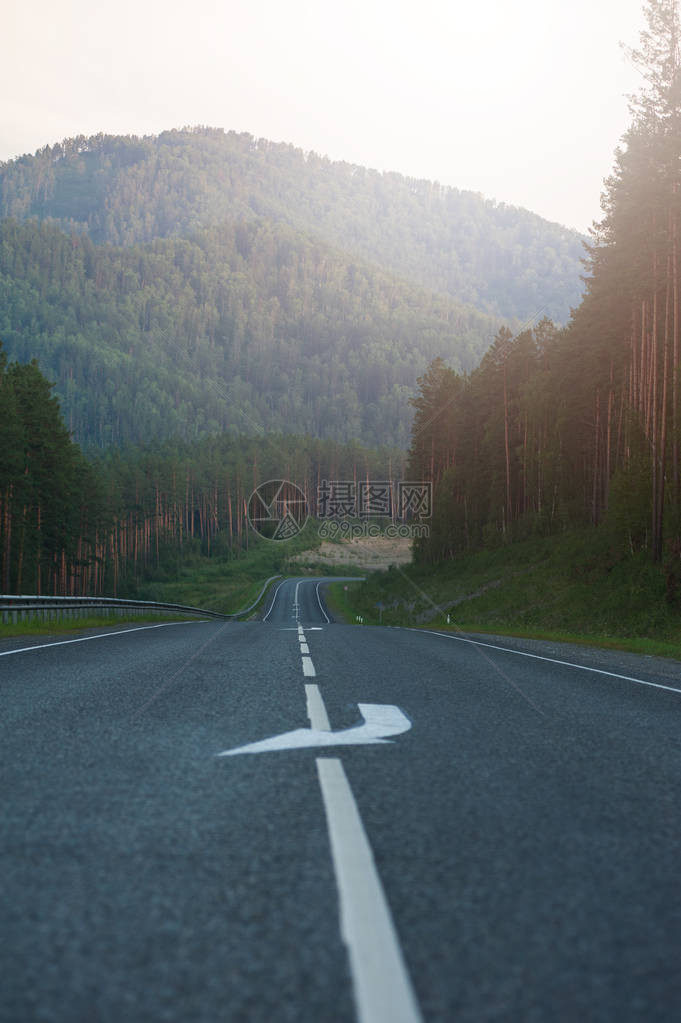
{"points": [[308, 667], [381, 984], [316, 711], [383, 991]]}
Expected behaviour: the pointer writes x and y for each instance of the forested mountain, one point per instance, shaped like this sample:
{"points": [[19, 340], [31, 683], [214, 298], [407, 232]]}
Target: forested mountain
{"points": [[201, 281], [249, 327], [582, 425], [126, 190]]}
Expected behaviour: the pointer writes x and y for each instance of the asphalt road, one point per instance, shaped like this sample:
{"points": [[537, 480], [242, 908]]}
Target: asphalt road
{"points": [[512, 852]]}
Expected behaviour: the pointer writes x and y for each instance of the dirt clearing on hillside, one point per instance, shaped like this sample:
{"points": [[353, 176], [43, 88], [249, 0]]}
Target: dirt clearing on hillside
{"points": [[371, 554]]}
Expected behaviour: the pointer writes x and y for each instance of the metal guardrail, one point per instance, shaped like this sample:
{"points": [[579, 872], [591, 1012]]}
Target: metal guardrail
{"points": [[14, 609]]}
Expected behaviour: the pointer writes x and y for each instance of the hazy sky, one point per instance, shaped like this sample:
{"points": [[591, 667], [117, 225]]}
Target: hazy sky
{"points": [[522, 100]]}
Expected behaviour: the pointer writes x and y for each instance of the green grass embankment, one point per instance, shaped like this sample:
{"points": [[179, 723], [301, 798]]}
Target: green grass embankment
{"points": [[225, 583], [571, 588]]}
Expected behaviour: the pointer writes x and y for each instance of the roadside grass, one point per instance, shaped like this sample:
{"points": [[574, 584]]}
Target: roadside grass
{"points": [[310, 566], [228, 582], [573, 588], [339, 601], [224, 586]]}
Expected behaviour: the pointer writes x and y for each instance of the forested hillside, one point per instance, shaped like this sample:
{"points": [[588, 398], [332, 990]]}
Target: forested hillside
{"points": [[69, 525], [126, 190], [582, 425], [249, 327]]}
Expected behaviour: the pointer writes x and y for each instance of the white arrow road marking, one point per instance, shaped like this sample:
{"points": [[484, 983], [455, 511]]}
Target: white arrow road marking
{"points": [[380, 721]]}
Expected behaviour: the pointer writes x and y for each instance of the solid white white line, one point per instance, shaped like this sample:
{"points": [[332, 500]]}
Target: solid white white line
{"points": [[308, 667], [551, 660], [274, 599], [296, 606], [304, 648], [316, 710], [100, 635], [383, 991], [319, 601]]}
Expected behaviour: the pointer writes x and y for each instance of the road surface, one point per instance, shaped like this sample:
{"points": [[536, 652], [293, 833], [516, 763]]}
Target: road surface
{"points": [[291, 819]]}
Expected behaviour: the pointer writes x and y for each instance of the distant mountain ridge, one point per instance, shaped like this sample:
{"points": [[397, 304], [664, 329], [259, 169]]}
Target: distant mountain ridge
{"points": [[124, 190]]}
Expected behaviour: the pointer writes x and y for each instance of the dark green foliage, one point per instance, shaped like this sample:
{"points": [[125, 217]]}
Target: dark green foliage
{"points": [[176, 502], [50, 499], [248, 327], [126, 190], [69, 526], [498, 446]]}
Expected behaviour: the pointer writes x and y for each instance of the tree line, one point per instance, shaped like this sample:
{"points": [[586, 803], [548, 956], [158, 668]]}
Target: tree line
{"points": [[71, 525], [582, 424], [52, 509]]}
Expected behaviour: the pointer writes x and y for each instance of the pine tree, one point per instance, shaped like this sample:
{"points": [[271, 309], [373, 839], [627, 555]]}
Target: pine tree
{"points": [[631, 314]]}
